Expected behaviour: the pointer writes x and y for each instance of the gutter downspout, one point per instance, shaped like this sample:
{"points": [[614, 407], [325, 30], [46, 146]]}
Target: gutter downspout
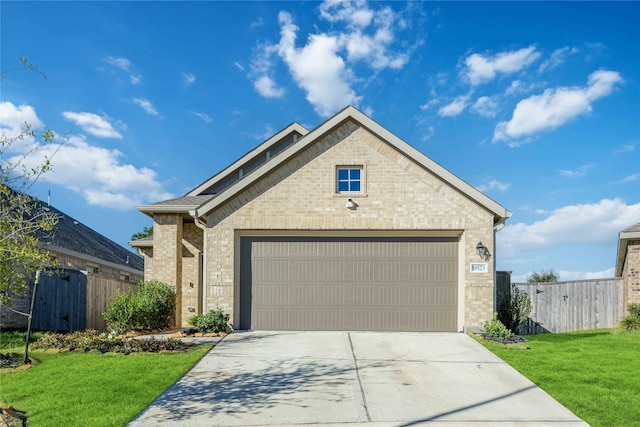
{"points": [[497, 228], [203, 227]]}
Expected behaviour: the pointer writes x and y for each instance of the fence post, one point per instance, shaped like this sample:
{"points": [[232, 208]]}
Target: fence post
{"points": [[33, 301]]}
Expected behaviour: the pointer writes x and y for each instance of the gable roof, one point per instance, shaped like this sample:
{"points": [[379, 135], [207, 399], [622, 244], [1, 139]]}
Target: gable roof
{"points": [[211, 198], [73, 238], [631, 233]]}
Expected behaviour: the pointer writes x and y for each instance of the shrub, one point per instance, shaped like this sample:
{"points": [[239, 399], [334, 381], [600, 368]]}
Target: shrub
{"points": [[213, 321], [155, 305], [632, 321], [120, 311], [496, 329], [151, 307], [514, 307]]}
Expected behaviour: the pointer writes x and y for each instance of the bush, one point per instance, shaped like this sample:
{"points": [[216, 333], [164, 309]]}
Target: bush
{"points": [[151, 307], [496, 329], [632, 321], [155, 305], [213, 321], [514, 307], [120, 311]]}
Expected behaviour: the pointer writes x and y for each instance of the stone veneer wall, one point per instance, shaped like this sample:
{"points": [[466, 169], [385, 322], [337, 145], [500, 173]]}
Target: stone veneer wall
{"points": [[398, 195]]}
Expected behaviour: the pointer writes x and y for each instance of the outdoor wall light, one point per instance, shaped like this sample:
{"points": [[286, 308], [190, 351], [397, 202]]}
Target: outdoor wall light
{"points": [[483, 251], [351, 204]]}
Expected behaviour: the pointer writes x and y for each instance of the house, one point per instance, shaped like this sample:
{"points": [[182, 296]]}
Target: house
{"points": [[78, 248], [628, 263], [343, 227]]}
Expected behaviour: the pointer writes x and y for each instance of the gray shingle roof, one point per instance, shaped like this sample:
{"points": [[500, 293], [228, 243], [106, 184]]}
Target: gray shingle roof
{"points": [[185, 201], [71, 234], [632, 229]]}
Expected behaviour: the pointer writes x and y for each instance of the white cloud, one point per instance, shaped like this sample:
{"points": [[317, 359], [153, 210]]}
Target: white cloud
{"points": [[97, 173], [122, 63], [555, 107], [578, 173], [205, 117], [355, 13], [146, 105], [631, 178], [591, 223], [557, 58], [13, 118], [566, 275], [493, 185], [485, 106], [455, 107], [188, 79], [317, 68], [625, 148], [268, 88], [92, 124], [125, 65], [481, 69], [257, 23], [323, 67]]}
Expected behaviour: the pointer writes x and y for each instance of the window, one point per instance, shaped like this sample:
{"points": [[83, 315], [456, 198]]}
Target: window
{"points": [[349, 180]]}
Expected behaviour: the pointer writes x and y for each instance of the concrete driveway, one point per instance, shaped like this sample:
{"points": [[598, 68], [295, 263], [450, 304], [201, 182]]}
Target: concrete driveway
{"points": [[355, 379]]}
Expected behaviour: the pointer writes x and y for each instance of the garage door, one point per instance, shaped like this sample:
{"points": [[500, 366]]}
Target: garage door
{"points": [[372, 284]]}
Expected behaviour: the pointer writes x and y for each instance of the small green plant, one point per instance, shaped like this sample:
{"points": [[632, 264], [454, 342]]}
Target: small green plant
{"points": [[632, 321], [151, 307], [496, 329], [213, 321]]}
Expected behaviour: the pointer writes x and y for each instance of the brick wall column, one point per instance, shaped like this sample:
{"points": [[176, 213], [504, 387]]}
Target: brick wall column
{"points": [[167, 254]]}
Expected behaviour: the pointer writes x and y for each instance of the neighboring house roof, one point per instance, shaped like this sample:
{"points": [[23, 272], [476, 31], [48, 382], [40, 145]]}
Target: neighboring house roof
{"points": [[288, 143], [73, 238], [631, 233]]}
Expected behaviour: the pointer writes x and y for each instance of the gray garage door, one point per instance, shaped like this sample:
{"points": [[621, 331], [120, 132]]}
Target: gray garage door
{"points": [[376, 284]]}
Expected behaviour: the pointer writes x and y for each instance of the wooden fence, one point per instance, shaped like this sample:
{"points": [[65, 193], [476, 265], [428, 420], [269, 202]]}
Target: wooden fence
{"points": [[574, 306], [73, 300]]}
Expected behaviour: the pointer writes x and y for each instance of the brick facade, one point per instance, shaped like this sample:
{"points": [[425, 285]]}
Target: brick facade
{"points": [[631, 273], [399, 196]]}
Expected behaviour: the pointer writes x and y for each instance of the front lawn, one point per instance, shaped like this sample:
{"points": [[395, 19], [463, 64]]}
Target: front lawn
{"points": [[81, 389], [596, 374]]}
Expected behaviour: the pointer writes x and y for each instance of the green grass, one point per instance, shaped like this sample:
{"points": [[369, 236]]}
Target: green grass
{"points": [[15, 339], [81, 389], [596, 374]]}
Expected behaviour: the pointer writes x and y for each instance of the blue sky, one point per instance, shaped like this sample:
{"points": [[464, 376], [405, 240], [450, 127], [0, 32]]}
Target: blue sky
{"points": [[536, 104]]}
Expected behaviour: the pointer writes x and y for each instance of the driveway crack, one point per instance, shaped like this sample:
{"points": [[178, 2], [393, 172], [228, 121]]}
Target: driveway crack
{"points": [[355, 362]]}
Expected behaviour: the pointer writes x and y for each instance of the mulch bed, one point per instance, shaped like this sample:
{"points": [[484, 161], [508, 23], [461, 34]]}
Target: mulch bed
{"points": [[511, 340], [10, 360]]}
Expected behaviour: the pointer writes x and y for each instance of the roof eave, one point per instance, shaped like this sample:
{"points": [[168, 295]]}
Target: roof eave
{"points": [[141, 243], [623, 240], [152, 209], [293, 127]]}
